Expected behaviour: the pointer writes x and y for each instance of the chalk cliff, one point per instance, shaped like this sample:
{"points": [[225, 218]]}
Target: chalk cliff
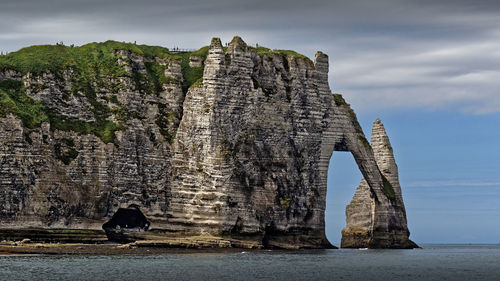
{"points": [[366, 217], [230, 142]]}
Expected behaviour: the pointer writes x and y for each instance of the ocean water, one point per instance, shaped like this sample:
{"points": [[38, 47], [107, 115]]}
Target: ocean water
{"points": [[433, 262]]}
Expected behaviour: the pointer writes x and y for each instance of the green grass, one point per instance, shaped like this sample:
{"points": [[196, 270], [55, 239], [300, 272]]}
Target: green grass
{"points": [[192, 74], [14, 100], [32, 113], [65, 123], [266, 52], [339, 100], [197, 83], [290, 53], [263, 51], [202, 52], [152, 82], [56, 58]]}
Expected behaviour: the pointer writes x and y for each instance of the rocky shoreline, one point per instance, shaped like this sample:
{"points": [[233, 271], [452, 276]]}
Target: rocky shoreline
{"points": [[194, 244], [102, 249]]}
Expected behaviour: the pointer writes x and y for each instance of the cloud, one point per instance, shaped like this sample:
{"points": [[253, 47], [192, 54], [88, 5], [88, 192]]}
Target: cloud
{"points": [[423, 73], [385, 54]]}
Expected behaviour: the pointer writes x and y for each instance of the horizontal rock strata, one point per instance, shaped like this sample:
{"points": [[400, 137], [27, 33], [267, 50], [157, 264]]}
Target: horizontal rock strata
{"points": [[230, 142], [368, 219]]}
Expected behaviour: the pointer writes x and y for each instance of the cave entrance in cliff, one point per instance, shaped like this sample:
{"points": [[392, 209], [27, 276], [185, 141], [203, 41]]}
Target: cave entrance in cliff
{"points": [[127, 218], [343, 179]]}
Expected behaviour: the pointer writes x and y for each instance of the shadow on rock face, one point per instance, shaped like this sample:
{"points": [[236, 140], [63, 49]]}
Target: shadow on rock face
{"points": [[124, 223]]}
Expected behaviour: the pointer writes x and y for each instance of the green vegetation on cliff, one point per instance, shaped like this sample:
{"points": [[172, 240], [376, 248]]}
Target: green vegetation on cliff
{"points": [[91, 68], [339, 100], [14, 100], [163, 121], [387, 188], [263, 51], [94, 71], [192, 75], [152, 82], [57, 58], [266, 52]]}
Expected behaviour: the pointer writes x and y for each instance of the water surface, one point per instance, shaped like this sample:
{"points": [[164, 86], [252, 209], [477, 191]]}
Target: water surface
{"points": [[433, 262]]}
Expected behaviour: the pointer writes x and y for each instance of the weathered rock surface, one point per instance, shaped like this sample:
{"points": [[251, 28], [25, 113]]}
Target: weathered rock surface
{"points": [[367, 217], [242, 154], [195, 61]]}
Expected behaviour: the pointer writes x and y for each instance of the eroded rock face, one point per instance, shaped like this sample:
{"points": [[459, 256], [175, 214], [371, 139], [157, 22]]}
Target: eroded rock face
{"points": [[368, 219], [195, 61], [243, 154]]}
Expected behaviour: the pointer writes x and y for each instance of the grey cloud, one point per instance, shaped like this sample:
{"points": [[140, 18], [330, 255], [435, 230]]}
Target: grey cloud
{"points": [[457, 72], [384, 53]]}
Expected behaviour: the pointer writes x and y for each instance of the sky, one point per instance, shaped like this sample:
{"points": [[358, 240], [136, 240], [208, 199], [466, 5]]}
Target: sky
{"points": [[429, 69]]}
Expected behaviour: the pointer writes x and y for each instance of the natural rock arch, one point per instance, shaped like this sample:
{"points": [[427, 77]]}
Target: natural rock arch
{"points": [[269, 161], [376, 215]]}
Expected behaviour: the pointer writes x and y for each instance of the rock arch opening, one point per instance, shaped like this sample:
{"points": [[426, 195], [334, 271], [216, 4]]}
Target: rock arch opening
{"points": [[343, 178], [376, 216]]}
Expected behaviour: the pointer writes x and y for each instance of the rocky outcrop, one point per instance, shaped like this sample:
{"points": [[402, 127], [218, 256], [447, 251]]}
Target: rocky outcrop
{"points": [[195, 61], [242, 153], [366, 217]]}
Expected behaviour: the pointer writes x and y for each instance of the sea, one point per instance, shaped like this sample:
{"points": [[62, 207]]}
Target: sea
{"points": [[431, 262]]}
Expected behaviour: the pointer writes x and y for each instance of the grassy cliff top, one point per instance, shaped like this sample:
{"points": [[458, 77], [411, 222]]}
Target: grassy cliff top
{"points": [[54, 58], [95, 66], [263, 51], [266, 52]]}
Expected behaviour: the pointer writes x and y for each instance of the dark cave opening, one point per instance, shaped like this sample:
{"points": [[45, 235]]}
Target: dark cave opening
{"points": [[124, 219]]}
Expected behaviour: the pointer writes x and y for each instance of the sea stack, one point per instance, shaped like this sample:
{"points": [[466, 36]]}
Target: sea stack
{"points": [[365, 225]]}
